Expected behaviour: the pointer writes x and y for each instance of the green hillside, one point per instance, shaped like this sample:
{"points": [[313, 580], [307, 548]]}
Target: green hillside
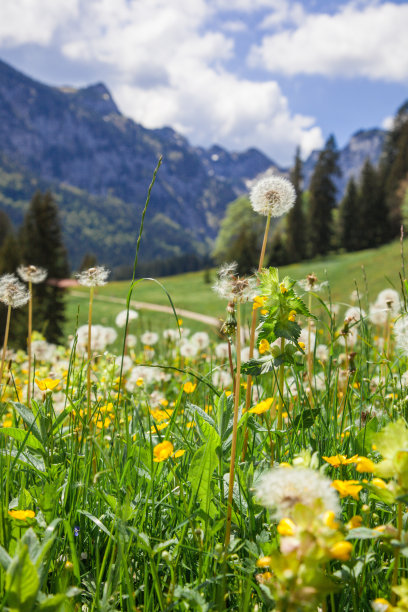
{"points": [[370, 271]]}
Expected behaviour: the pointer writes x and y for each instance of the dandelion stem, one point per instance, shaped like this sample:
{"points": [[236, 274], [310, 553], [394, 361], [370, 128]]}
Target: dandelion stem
{"points": [[88, 373], [6, 334], [280, 388], [30, 332], [252, 337], [234, 429], [396, 556]]}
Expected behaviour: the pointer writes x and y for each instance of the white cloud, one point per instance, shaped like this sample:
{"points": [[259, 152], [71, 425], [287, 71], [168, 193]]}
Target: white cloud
{"points": [[167, 65], [369, 41], [285, 12], [33, 21]]}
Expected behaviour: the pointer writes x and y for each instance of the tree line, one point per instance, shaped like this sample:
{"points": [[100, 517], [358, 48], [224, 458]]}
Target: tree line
{"points": [[369, 215]]}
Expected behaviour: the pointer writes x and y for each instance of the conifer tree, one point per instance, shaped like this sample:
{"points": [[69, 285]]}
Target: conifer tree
{"points": [[372, 209], [349, 230], [296, 231], [323, 199], [6, 227], [42, 246]]}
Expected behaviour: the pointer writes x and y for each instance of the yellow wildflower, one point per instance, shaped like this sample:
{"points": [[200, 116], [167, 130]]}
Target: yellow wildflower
{"points": [[329, 520], [286, 527], [379, 482], [282, 288], [347, 487], [338, 460], [341, 550], [365, 465], [263, 562], [381, 605], [162, 451], [262, 407], [302, 345], [259, 301], [158, 427], [179, 453], [140, 382], [189, 387], [47, 384], [355, 522], [7, 423], [292, 315], [264, 347], [21, 515]]}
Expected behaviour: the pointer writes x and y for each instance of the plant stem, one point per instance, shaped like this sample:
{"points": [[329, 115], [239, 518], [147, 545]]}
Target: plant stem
{"points": [[6, 334], [30, 332], [396, 556], [234, 430], [88, 373], [252, 338], [280, 387]]}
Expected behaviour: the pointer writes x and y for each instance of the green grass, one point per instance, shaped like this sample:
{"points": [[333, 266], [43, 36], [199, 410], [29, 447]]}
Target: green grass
{"points": [[370, 271]]}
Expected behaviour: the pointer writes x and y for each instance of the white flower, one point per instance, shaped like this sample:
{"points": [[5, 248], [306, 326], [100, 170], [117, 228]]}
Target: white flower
{"points": [[202, 339], [352, 337], [221, 378], [12, 292], [32, 274], [127, 363], [171, 335], [304, 337], [93, 277], [149, 338], [273, 196], [389, 299], [401, 334], [233, 288], [282, 488], [121, 317], [131, 340], [354, 315], [322, 352], [221, 350], [42, 350], [188, 349]]}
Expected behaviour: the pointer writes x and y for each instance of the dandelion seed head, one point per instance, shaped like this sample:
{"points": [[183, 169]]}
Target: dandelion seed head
{"points": [[281, 489], [32, 274], [122, 316], [12, 292], [149, 338], [401, 334], [231, 287], [93, 277], [273, 196]]}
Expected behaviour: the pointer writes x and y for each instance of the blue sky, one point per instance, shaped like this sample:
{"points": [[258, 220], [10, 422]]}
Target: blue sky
{"points": [[270, 74]]}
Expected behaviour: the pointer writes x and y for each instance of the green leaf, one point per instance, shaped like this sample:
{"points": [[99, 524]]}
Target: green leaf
{"points": [[5, 558], [256, 367], [297, 304], [363, 533], [26, 459], [97, 522], [27, 438], [197, 410], [28, 418], [305, 419], [202, 466], [365, 437], [52, 603], [288, 329], [22, 581]]}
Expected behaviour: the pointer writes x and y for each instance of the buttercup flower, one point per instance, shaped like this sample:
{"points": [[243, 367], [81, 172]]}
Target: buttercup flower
{"points": [[273, 196], [162, 451]]}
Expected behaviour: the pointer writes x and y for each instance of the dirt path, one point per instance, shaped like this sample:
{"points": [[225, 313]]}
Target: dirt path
{"points": [[186, 314]]}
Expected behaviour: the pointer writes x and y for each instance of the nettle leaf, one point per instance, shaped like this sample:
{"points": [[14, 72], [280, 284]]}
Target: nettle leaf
{"points": [[266, 331], [256, 367], [288, 329], [286, 357], [296, 303], [288, 282]]}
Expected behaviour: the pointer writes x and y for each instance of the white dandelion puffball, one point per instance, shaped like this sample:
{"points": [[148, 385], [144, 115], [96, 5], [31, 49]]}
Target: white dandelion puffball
{"points": [[149, 338], [282, 488], [201, 339], [401, 334], [93, 277], [121, 317], [32, 274], [12, 292], [273, 196]]}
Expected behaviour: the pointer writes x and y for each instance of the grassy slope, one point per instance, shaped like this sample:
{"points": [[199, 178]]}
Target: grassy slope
{"points": [[189, 291]]}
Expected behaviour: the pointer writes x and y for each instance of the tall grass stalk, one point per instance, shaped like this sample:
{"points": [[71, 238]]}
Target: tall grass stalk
{"points": [[29, 337], [89, 353], [6, 335], [234, 430]]}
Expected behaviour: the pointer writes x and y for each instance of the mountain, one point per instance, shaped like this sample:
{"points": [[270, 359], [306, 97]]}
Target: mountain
{"points": [[99, 165], [364, 144], [77, 143]]}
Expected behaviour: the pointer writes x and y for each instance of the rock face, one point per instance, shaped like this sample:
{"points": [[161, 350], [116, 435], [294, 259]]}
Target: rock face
{"points": [[100, 164], [363, 145]]}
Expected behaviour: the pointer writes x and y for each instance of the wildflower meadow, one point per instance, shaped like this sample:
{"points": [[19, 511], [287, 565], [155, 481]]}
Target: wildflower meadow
{"points": [[263, 468]]}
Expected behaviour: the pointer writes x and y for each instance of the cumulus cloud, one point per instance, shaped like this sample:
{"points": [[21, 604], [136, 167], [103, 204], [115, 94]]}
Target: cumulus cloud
{"points": [[357, 41], [167, 64], [33, 21]]}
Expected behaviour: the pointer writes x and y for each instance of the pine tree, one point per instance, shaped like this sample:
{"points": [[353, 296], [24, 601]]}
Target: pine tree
{"points": [[296, 235], [323, 199], [6, 227], [88, 261], [42, 246], [349, 230], [372, 210]]}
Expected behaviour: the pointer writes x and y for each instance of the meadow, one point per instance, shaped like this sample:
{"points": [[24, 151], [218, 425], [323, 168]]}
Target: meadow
{"points": [[150, 463]]}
